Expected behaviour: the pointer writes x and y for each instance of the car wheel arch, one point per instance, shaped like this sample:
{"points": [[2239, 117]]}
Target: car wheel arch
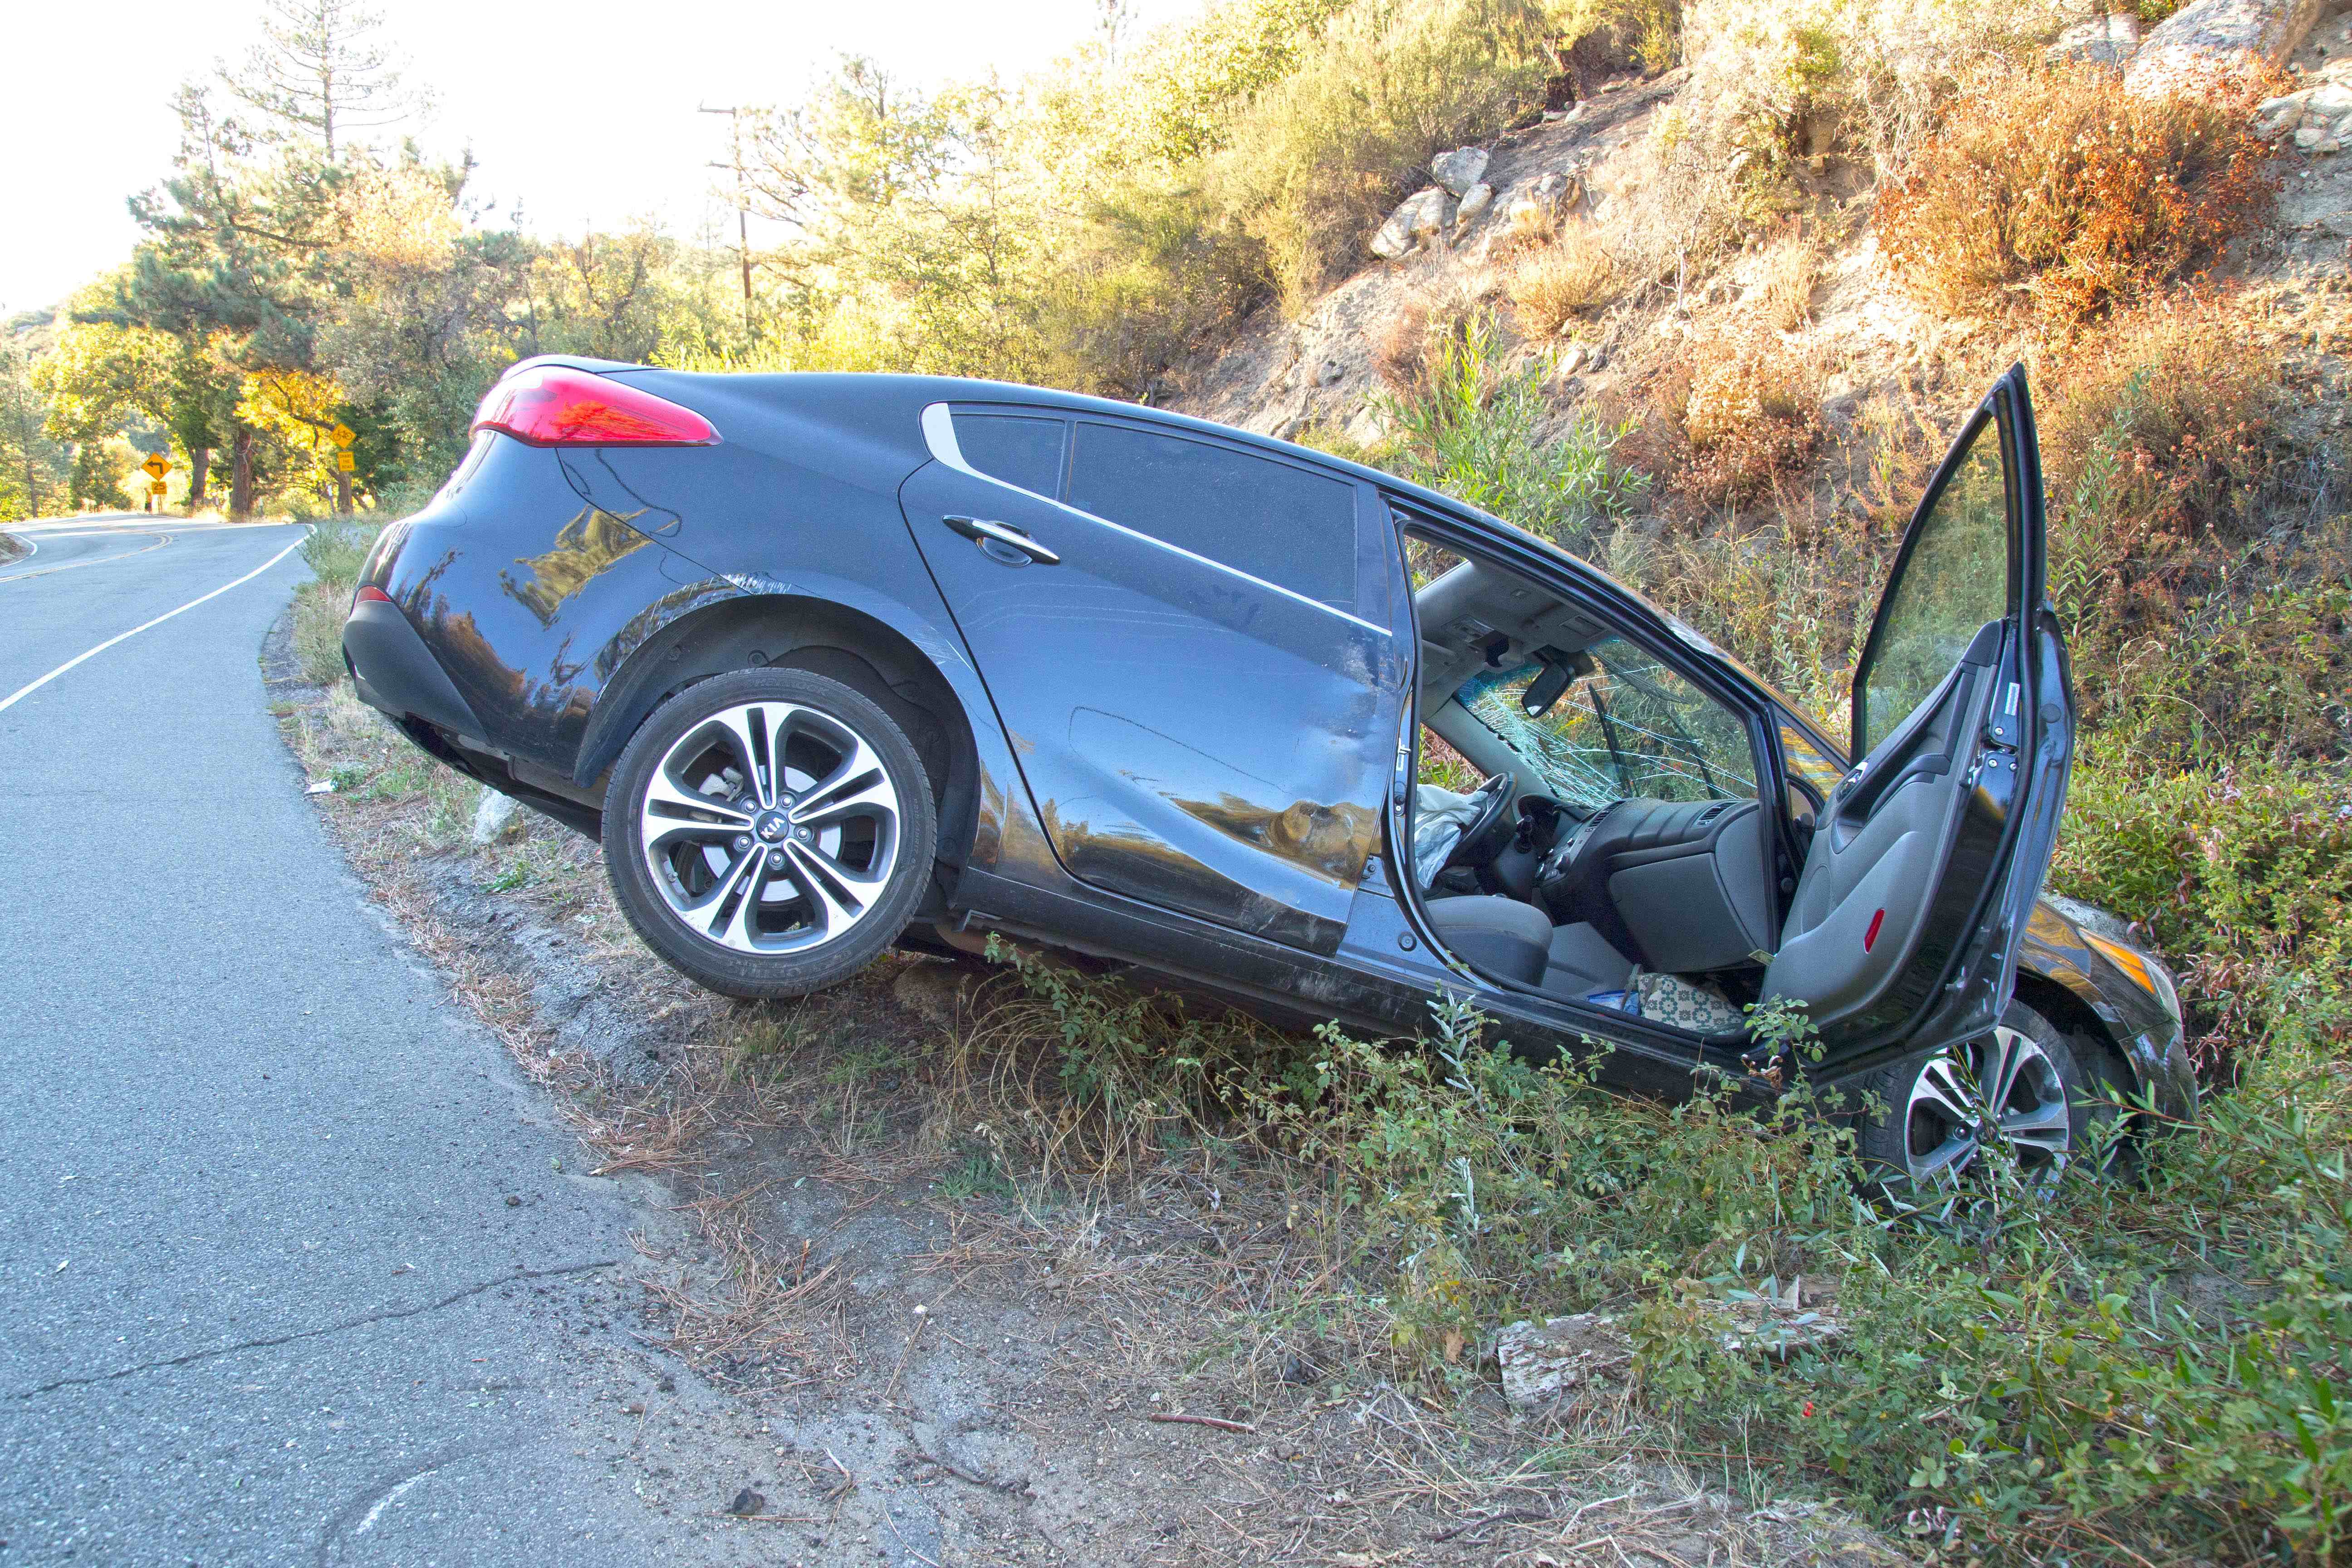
{"points": [[2074, 1018], [787, 631]]}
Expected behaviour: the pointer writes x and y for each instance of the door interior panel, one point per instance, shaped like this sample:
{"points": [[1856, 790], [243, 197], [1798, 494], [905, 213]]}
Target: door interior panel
{"points": [[1882, 846]]}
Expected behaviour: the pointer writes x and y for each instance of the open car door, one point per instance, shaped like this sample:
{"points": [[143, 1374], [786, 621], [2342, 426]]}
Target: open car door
{"points": [[1930, 854]]}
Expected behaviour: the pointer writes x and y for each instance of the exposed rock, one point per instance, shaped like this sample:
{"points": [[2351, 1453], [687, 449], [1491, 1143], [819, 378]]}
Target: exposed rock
{"points": [[2109, 40], [494, 815], [1459, 169], [2317, 119], [1475, 203], [1542, 1361], [1417, 216], [2216, 41]]}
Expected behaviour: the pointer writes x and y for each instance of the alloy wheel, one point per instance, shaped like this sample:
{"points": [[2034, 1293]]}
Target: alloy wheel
{"points": [[770, 828], [2004, 1086]]}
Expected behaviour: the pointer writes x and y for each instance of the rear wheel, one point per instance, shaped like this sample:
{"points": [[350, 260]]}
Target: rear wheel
{"points": [[2023, 1087], [769, 832]]}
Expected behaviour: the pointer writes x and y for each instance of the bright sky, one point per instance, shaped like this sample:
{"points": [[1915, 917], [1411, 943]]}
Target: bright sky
{"points": [[583, 112]]}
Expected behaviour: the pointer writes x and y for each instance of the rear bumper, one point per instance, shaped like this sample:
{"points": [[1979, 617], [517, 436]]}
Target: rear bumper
{"points": [[396, 674]]}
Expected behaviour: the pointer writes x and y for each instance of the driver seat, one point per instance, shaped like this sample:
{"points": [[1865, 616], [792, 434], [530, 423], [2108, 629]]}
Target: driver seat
{"points": [[1515, 942]]}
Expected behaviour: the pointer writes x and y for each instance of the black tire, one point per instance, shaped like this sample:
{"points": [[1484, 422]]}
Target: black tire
{"points": [[826, 895], [1915, 1134]]}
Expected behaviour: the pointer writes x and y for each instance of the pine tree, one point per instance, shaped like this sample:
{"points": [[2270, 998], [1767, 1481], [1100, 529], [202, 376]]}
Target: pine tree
{"points": [[233, 266], [320, 73]]}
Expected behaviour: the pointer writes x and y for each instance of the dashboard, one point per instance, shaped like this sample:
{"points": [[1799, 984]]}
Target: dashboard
{"points": [[1682, 885]]}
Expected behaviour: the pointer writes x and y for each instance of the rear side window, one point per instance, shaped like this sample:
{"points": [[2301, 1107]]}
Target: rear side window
{"points": [[1278, 523], [1017, 449]]}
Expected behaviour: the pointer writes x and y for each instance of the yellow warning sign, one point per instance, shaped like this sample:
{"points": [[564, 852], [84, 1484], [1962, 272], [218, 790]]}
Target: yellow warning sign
{"points": [[344, 460], [157, 466], [158, 488], [342, 434]]}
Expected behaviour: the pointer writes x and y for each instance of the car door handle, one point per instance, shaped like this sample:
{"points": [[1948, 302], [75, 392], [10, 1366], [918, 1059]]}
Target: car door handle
{"points": [[984, 528]]}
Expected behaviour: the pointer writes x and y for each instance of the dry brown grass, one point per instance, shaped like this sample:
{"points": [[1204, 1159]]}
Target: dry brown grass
{"points": [[1408, 342], [2058, 188], [1791, 267], [1736, 410], [746, 1310], [1574, 276], [1531, 227]]}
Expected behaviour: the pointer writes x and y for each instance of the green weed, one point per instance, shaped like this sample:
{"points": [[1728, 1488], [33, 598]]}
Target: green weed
{"points": [[1475, 431]]}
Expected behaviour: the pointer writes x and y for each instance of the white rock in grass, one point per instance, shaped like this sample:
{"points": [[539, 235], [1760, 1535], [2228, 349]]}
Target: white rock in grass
{"points": [[1459, 169], [1423, 213], [493, 817], [1475, 203], [2208, 44], [1542, 1361]]}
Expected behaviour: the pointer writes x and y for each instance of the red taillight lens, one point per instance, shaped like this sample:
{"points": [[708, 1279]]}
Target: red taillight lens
{"points": [[554, 405], [371, 596]]}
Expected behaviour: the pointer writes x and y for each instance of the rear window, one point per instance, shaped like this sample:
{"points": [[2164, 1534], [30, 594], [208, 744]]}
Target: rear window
{"points": [[1020, 449], [1278, 523]]}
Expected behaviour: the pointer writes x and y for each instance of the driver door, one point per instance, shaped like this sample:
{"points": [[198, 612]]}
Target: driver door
{"points": [[1930, 853]]}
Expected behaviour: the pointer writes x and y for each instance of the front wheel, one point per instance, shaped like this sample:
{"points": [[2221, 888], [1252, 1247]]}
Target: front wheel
{"points": [[769, 832], [2022, 1087]]}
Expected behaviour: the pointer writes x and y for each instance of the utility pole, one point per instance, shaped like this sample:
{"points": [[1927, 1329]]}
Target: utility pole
{"points": [[742, 201]]}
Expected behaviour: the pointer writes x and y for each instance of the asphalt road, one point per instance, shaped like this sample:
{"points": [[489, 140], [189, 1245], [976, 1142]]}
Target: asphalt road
{"points": [[289, 1272]]}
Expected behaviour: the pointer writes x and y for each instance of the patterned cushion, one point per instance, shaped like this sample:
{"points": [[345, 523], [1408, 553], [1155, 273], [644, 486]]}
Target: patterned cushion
{"points": [[1699, 1006]]}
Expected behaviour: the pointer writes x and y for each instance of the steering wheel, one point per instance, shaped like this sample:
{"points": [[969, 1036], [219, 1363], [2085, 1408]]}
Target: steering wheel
{"points": [[1490, 829]]}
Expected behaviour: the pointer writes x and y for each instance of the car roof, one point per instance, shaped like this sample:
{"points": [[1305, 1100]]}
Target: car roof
{"points": [[918, 391], [921, 390]]}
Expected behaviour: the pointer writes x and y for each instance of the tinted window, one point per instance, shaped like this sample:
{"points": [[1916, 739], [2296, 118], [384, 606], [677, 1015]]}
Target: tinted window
{"points": [[1274, 521], [1019, 450], [1955, 581]]}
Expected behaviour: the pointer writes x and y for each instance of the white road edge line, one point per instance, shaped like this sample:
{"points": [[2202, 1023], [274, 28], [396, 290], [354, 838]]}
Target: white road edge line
{"points": [[24, 692]]}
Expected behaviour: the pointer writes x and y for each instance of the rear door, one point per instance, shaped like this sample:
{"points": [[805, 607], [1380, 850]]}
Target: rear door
{"points": [[1930, 853], [1186, 640]]}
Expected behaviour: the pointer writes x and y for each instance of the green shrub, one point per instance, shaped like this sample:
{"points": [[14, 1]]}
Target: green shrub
{"points": [[337, 548], [318, 611], [2242, 873], [1479, 432], [1319, 157]]}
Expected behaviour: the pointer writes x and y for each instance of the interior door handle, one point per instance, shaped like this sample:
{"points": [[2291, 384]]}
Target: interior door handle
{"points": [[982, 528]]}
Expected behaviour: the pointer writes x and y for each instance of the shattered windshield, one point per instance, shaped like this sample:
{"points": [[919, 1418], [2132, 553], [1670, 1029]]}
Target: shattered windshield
{"points": [[1633, 728]]}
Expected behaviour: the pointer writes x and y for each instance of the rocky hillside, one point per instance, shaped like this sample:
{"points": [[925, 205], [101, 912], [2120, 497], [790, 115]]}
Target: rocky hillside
{"points": [[1612, 173]]}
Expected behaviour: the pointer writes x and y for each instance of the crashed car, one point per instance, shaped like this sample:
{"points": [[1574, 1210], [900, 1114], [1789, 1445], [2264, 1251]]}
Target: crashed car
{"points": [[829, 663]]}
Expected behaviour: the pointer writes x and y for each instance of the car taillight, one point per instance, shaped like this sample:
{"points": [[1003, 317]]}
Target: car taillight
{"points": [[555, 406], [371, 596]]}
